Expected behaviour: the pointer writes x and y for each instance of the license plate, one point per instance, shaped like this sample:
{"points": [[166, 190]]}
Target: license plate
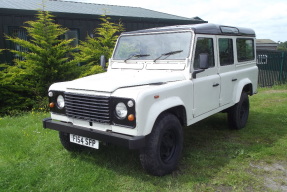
{"points": [[85, 141]]}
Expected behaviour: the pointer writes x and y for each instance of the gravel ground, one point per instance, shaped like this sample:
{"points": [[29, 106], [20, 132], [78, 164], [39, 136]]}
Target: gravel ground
{"points": [[274, 175]]}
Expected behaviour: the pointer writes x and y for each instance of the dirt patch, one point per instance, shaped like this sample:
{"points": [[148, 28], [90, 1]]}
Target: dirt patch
{"points": [[274, 175], [275, 91], [276, 100]]}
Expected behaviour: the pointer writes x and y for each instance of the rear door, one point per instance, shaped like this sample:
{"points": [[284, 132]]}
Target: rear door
{"points": [[228, 77]]}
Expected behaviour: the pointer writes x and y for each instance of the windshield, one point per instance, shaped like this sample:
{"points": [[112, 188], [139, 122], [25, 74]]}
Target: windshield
{"points": [[171, 46]]}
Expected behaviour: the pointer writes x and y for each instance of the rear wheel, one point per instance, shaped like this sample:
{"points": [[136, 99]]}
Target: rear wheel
{"points": [[238, 114], [164, 146]]}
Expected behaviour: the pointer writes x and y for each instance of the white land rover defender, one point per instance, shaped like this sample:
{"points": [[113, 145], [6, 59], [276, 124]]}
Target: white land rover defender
{"points": [[158, 81]]}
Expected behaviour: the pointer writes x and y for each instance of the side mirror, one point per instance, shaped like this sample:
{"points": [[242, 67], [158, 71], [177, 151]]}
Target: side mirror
{"points": [[103, 61], [203, 61], [203, 64]]}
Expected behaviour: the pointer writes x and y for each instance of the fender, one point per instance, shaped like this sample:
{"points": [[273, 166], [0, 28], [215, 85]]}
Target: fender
{"points": [[156, 109], [238, 89]]}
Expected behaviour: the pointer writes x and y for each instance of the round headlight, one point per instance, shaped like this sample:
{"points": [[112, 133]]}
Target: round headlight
{"points": [[60, 102], [121, 110]]}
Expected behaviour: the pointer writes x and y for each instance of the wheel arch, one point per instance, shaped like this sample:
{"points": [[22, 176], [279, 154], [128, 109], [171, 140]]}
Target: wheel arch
{"points": [[172, 105], [179, 112], [243, 86], [248, 88]]}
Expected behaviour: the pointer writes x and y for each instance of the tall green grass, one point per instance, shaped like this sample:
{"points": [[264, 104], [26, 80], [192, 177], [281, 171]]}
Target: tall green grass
{"points": [[214, 157]]}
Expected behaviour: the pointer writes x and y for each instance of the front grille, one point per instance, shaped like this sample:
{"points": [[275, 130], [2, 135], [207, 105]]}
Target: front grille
{"points": [[88, 107]]}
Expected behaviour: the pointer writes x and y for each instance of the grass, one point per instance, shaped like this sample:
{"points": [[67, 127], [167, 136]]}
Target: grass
{"points": [[214, 158]]}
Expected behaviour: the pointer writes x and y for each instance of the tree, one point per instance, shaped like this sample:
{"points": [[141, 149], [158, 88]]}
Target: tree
{"points": [[46, 57], [102, 43], [282, 46]]}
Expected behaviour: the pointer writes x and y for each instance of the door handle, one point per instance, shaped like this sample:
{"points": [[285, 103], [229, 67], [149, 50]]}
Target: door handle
{"points": [[215, 84], [234, 79]]}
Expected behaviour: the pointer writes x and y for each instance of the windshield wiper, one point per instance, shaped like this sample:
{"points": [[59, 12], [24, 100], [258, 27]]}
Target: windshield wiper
{"points": [[168, 54], [137, 56]]}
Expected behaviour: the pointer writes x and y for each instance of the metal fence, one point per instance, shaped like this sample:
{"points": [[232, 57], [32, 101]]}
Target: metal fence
{"points": [[272, 67]]}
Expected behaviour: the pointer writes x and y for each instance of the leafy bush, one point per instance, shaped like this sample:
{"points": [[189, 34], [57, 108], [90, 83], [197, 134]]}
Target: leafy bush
{"points": [[46, 57], [102, 43]]}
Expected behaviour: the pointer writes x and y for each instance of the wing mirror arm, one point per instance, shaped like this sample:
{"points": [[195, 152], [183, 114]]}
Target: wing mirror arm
{"points": [[196, 71]]}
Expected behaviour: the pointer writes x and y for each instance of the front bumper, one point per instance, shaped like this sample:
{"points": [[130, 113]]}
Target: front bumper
{"points": [[131, 142]]}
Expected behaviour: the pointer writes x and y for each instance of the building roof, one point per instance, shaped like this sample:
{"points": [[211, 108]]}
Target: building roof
{"points": [[59, 6], [204, 28], [265, 41], [266, 44]]}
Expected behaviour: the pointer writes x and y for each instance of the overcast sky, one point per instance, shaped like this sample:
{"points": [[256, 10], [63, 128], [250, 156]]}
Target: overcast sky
{"points": [[267, 18]]}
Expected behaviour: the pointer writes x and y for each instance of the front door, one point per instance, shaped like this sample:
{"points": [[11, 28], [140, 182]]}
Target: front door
{"points": [[207, 83]]}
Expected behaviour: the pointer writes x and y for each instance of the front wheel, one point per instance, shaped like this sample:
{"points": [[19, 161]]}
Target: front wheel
{"points": [[163, 147], [238, 114]]}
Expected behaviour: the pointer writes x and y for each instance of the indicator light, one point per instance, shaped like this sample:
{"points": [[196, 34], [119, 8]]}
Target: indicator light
{"points": [[131, 117]]}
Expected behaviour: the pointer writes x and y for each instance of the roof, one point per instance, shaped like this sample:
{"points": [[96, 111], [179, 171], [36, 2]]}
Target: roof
{"points": [[205, 28], [58, 6]]}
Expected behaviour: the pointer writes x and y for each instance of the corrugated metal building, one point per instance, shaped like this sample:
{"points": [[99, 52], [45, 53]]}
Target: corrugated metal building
{"points": [[80, 18], [266, 44]]}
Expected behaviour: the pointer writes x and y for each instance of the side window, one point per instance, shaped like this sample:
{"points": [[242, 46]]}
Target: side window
{"points": [[204, 45], [22, 34], [72, 34], [225, 51], [245, 49]]}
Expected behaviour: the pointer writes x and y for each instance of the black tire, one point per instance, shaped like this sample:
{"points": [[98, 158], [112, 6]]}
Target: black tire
{"points": [[163, 146], [65, 141], [238, 114]]}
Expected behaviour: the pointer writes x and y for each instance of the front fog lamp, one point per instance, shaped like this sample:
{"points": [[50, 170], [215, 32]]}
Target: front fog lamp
{"points": [[121, 110], [60, 102]]}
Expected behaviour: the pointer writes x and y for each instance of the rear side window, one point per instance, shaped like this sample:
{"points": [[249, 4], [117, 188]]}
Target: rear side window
{"points": [[245, 49], [204, 45], [225, 51]]}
